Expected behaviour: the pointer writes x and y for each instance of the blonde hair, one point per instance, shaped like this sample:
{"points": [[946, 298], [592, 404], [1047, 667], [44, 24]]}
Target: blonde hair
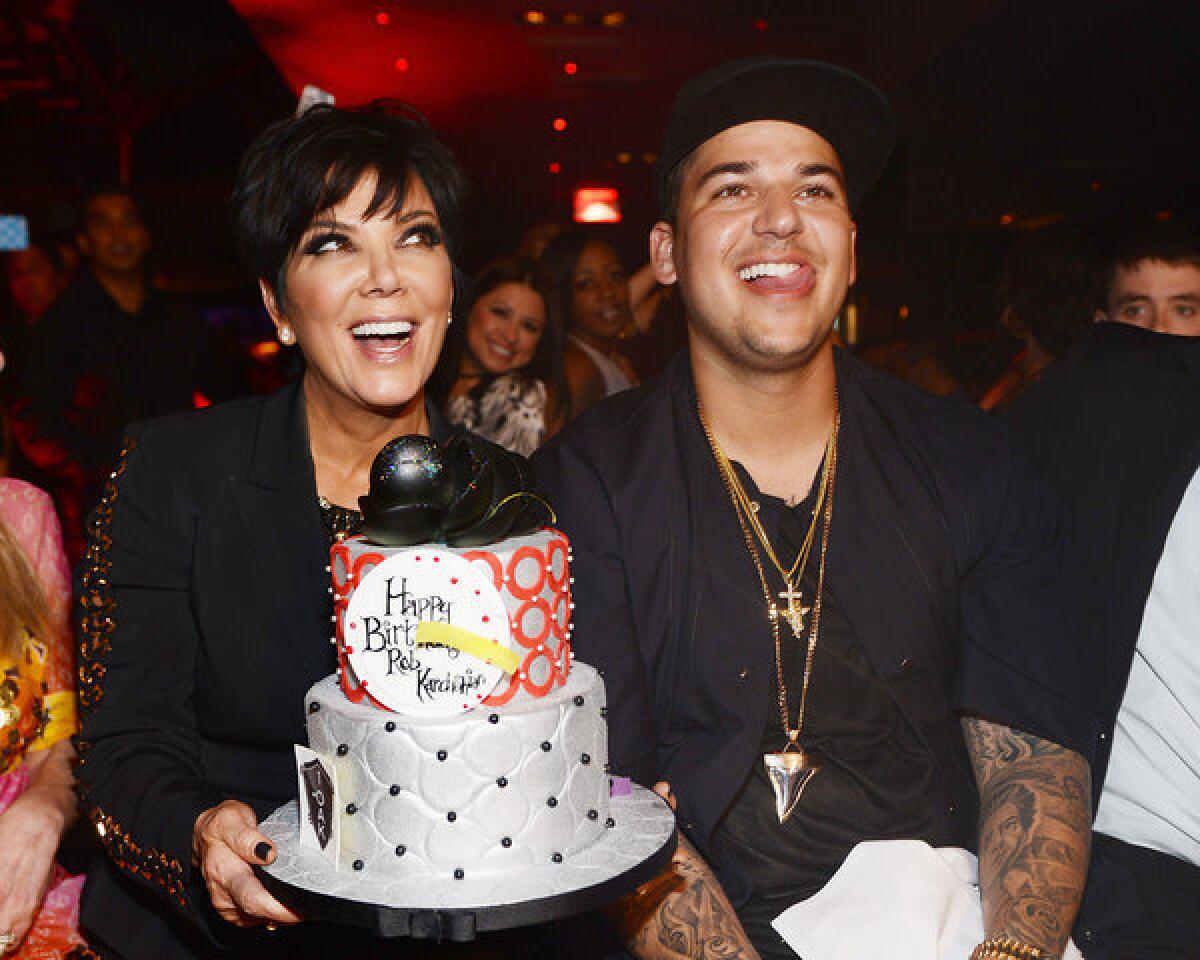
{"points": [[22, 602]]}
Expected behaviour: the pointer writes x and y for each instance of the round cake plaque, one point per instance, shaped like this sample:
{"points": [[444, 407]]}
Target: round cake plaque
{"points": [[385, 634]]}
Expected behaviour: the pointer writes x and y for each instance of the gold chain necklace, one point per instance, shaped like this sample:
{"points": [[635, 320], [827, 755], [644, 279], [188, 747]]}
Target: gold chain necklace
{"points": [[791, 768], [748, 509]]}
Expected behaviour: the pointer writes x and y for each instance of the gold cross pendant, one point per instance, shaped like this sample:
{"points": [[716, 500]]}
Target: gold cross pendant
{"points": [[796, 611]]}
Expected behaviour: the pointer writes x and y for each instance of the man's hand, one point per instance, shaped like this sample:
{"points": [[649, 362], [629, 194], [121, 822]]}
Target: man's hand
{"points": [[225, 842], [1034, 833], [681, 913]]}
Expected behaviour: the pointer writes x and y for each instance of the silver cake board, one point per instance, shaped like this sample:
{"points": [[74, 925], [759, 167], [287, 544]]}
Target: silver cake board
{"points": [[419, 904]]}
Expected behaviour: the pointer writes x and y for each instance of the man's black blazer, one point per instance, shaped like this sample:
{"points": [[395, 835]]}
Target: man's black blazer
{"points": [[944, 556], [207, 617], [1115, 428]]}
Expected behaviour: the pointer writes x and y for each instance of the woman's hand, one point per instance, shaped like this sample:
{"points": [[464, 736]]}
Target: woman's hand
{"points": [[30, 831], [225, 842]]}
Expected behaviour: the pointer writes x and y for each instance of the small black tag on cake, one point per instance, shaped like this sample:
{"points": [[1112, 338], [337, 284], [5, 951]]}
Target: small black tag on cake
{"points": [[316, 782]]}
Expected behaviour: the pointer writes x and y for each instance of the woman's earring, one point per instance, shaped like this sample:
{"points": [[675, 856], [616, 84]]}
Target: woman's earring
{"points": [[286, 336], [449, 318]]}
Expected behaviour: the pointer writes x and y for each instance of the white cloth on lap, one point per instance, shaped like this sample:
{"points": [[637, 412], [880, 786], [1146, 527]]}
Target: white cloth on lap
{"points": [[900, 899]]}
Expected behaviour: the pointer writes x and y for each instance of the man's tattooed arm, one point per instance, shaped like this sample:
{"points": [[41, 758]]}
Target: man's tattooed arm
{"points": [[1034, 833], [683, 912]]}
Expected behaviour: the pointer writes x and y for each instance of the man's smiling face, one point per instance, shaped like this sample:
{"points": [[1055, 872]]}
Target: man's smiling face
{"points": [[762, 245]]}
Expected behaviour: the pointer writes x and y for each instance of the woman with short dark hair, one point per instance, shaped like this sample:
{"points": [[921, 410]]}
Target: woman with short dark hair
{"points": [[501, 372], [205, 591]]}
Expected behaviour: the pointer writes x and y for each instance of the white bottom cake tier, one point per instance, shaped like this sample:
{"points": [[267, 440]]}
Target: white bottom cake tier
{"points": [[480, 793]]}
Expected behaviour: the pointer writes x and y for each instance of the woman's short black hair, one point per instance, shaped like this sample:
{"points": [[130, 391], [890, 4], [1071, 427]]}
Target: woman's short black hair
{"points": [[303, 165]]}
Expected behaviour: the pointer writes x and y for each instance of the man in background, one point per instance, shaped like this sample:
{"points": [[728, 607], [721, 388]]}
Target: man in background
{"points": [[1115, 427], [112, 349], [1154, 280]]}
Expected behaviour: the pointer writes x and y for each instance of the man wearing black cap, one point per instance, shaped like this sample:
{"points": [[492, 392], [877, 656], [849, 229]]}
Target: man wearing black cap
{"points": [[826, 605]]}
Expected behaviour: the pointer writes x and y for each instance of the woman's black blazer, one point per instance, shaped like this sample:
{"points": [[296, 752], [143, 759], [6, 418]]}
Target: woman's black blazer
{"points": [[206, 617]]}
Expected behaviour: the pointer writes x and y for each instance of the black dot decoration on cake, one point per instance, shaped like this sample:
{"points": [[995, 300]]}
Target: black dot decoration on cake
{"points": [[593, 815], [442, 755], [493, 718], [358, 864], [551, 802], [342, 750], [401, 849], [502, 781], [394, 790], [578, 700], [604, 711], [585, 759], [556, 857], [506, 841], [546, 745], [390, 726], [351, 809], [314, 707], [451, 816], [610, 823], [459, 873]]}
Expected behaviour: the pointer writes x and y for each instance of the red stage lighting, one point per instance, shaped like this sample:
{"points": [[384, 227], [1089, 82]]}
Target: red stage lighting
{"points": [[401, 64], [382, 19], [597, 205], [559, 124], [555, 167], [570, 68]]}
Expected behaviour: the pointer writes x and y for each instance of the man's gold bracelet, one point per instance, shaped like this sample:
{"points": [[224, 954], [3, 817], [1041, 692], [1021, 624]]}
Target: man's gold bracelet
{"points": [[1005, 948]]}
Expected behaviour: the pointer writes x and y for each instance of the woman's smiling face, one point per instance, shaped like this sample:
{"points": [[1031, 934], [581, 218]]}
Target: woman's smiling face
{"points": [[504, 328], [368, 300], [599, 294]]}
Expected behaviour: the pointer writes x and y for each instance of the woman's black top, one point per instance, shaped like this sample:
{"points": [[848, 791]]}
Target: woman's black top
{"points": [[207, 616]]}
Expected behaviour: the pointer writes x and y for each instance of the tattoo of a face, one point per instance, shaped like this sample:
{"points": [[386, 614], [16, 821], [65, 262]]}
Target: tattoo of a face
{"points": [[683, 913], [1034, 832]]}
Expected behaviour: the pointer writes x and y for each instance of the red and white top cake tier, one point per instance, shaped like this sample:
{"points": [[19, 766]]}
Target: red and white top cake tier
{"points": [[532, 576]]}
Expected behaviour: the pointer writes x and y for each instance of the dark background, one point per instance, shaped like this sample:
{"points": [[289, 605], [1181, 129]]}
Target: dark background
{"points": [[1013, 115]]}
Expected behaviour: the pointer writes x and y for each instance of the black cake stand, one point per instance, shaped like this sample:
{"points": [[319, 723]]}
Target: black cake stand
{"points": [[636, 848]]}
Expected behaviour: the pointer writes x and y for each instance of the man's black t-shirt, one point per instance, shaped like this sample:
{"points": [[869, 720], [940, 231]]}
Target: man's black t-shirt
{"points": [[877, 780]]}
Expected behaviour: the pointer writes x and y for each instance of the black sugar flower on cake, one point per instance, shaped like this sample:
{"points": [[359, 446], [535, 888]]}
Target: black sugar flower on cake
{"points": [[466, 493]]}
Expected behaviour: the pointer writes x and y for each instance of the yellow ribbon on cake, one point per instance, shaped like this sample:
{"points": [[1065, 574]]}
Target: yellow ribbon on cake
{"points": [[429, 634]]}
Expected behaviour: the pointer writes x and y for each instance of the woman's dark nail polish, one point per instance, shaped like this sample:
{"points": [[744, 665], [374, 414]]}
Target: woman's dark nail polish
{"points": [[263, 850]]}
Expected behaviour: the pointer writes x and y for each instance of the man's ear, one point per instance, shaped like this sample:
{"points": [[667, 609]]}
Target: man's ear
{"points": [[1099, 317], [853, 252], [82, 244], [662, 253]]}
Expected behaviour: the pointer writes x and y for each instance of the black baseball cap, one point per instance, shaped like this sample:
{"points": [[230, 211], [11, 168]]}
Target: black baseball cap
{"points": [[839, 105]]}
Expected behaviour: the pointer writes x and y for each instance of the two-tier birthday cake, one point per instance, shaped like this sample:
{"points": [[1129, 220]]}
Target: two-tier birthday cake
{"points": [[459, 756]]}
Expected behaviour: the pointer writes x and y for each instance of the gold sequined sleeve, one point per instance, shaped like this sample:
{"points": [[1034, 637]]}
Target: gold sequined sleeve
{"points": [[141, 780]]}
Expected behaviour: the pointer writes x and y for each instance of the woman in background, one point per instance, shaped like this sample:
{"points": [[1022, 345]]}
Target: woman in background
{"points": [[588, 289], [39, 902], [501, 373]]}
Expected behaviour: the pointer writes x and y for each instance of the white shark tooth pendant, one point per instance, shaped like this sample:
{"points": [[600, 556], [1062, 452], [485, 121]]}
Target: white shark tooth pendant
{"points": [[790, 771]]}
